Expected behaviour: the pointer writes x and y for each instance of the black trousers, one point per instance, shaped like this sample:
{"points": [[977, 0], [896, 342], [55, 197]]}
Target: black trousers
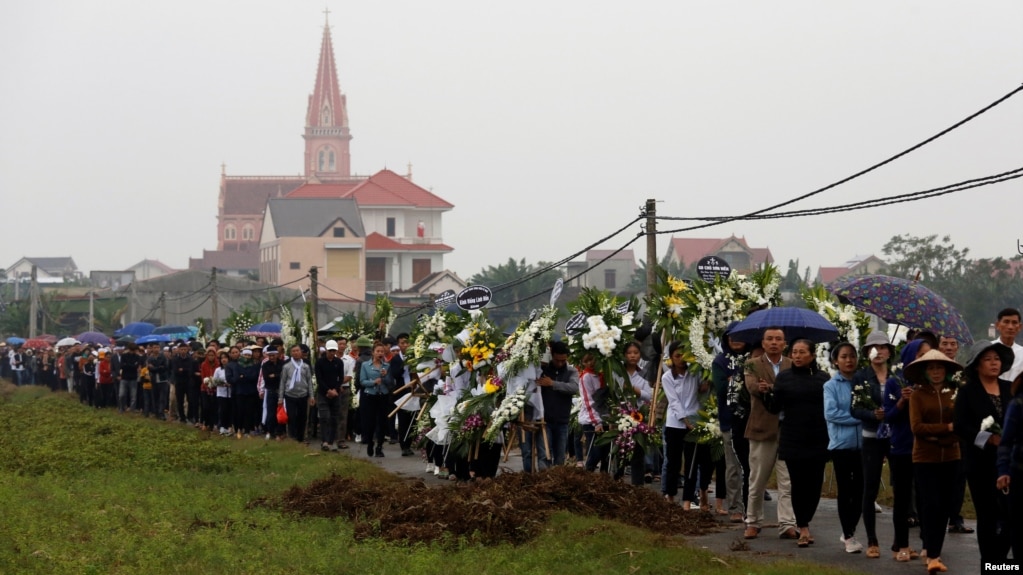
{"points": [[674, 443], [405, 418], [247, 414], [374, 418], [874, 453], [180, 393], [298, 413], [697, 466], [990, 504], [936, 484], [900, 475], [849, 479], [807, 477]]}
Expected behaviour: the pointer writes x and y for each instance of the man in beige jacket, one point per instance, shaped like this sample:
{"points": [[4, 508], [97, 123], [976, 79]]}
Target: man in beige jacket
{"points": [[762, 433]]}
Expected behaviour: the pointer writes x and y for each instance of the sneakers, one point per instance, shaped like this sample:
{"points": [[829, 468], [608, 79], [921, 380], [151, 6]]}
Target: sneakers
{"points": [[851, 545]]}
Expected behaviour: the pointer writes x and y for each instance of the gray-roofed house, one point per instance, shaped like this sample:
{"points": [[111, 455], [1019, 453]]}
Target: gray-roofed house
{"points": [[299, 233], [48, 270]]}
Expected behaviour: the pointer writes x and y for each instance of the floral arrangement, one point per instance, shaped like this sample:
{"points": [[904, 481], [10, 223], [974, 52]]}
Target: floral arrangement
{"points": [[628, 432], [201, 336], [289, 333], [694, 313], [237, 324], [737, 395], [424, 423], [468, 423], [609, 326], [477, 351], [706, 430], [862, 398], [989, 425], [529, 342], [508, 410], [853, 325], [383, 315]]}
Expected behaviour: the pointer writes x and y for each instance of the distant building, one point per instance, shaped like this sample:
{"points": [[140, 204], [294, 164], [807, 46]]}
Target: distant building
{"points": [[613, 274], [149, 269], [857, 266], [401, 234], [323, 232], [743, 259], [48, 270]]}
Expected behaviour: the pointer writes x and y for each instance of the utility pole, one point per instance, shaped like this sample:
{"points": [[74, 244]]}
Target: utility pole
{"points": [[92, 310], [314, 275], [651, 246], [163, 308], [131, 303], [33, 310], [213, 298]]}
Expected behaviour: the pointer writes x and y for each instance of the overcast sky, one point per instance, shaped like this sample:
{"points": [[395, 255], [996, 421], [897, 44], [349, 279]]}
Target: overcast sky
{"points": [[546, 124]]}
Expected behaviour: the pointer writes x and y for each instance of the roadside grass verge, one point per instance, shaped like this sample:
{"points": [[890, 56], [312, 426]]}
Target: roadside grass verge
{"points": [[87, 491]]}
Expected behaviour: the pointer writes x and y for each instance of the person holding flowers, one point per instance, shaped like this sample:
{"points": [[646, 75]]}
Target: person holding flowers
{"points": [[845, 445], [870, 381], [935, 447], [680, 389], [803, 434], [979, 412], [1010, 466]]}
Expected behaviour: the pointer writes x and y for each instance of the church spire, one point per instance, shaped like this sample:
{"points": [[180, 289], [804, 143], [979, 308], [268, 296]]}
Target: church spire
{"points": [[326, 131]]}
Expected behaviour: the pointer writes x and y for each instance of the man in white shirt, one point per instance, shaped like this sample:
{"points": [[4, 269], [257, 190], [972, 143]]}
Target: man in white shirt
{"points": [[1008, 327]]}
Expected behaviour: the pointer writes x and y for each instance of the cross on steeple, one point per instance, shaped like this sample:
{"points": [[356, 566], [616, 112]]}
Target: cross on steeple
{"points": [[326, 16]]}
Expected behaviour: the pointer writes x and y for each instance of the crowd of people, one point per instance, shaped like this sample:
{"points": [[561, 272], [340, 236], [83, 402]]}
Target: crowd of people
{"points": [[940, 424]]}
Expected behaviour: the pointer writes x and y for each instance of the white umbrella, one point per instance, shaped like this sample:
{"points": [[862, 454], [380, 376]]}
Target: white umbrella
{"points": [[67, 342]]}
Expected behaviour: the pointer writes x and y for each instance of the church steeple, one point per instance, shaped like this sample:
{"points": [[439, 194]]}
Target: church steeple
{"points": [[326, 126]]}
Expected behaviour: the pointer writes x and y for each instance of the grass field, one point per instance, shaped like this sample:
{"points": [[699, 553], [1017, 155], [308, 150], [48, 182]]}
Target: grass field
{"points": [[87, 491]]}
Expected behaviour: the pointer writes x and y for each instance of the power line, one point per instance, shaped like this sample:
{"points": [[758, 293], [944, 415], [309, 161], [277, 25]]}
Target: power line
{"points": [[857, 174], [866, 204], [544, 269], [222, 288]]}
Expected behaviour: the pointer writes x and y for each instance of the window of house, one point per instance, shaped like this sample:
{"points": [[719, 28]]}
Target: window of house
{"points": [[294, 265], [248, 232], [391, 227], [331, 163], [339, 232], [229, 233], [609, 279]]}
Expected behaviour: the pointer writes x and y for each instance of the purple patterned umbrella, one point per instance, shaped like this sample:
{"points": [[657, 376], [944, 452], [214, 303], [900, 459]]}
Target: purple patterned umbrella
{"points": [[93, 337], [902, 302]]}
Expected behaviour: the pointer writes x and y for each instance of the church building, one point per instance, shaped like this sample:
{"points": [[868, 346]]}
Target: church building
{"points": [[396, 245]]}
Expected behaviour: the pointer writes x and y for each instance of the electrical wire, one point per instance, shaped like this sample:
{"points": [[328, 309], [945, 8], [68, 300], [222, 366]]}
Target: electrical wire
{"points": [[227, 289], [866, 204], [330, 289], [544, 269], [857, 174]]}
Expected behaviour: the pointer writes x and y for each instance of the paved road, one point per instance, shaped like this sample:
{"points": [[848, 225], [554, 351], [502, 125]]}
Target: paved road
{"points": [[960, 553]]}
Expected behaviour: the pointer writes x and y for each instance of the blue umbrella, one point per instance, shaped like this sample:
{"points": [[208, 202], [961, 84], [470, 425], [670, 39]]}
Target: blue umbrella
{"points": [[136, 329], [176, 331], [93, 337], [268, 329], [797, 322], [153, 338], [15, 340]]}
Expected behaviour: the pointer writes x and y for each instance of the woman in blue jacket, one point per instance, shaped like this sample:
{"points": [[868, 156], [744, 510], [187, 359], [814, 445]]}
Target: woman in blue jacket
{"points": [[846, 441]]}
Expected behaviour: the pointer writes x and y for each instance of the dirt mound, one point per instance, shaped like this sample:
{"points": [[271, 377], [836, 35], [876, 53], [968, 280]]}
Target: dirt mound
{"points": [[512, 508]]}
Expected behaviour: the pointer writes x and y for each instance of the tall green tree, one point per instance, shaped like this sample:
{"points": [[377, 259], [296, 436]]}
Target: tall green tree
{"points": [[977, 288]]}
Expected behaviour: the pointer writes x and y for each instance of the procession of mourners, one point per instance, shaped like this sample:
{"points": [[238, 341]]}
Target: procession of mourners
{"points": [[714, 387]]}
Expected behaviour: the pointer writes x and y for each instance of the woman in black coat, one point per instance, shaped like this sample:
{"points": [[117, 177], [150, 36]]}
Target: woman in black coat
{"points": [[803, 438], [985, 396]]}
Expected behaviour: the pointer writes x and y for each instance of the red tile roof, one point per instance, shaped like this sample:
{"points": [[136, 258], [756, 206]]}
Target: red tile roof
{"points": [[379, 243], [248, 195], [690, 250], [329, 191], [386, 188], [828, 275]]}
